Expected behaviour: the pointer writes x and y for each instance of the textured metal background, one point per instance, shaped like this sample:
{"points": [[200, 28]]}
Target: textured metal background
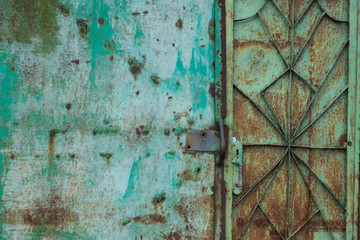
{"points": [[95, 99], [290, 114]]}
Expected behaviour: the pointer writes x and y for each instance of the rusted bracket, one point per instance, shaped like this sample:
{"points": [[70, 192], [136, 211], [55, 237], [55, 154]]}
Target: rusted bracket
{"points": [[207, 140]]}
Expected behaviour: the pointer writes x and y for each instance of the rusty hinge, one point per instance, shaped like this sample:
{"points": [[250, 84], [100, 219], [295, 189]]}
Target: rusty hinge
{"points": [[207, 140]]}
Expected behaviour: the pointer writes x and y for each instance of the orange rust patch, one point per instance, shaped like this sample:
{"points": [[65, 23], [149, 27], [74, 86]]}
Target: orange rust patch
{"points": [[244, 44]]}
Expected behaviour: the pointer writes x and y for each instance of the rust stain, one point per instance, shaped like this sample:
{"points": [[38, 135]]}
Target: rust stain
{"points": [[52, 135], [101, 21], [190, 175], [179, 24], [150, 219], [177, 116], [141, 130], [68, 106], [45, 213], [75, 61], [83, 26], [63, 9], [212, 90], [175, 236], [158, 199], [155, 79], [343, 139], [244, 44]]}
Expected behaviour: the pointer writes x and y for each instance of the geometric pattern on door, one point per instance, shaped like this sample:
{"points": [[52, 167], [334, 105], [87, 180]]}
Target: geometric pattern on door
{"points": [[290, 113]]}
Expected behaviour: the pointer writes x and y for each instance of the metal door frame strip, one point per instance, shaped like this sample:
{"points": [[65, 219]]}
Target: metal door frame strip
{"points": [[352, 177], [353, 153], [220, 113], [228, 168]]}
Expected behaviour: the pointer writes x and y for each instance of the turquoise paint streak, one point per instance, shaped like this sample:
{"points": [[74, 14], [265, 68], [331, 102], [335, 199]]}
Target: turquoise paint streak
{"points": [[134, 181], [100, 37], [7, 88]]}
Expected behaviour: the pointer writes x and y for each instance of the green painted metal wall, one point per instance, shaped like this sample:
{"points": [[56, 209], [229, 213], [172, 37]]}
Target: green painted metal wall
{"points": [[95, 100]]}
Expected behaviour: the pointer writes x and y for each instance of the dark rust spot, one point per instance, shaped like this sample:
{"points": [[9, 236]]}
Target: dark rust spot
{"points": [[150, 219], [167, 132], [135, 13], [83, 27], [159, 198], [63, 9], [75, 61], [155, 79], [343, 139], [68, 106], [12, 156], [52, 134], [179, 24], [212, 89], [145, 12], [101, 21], [137, 93], [126, 221], [135, 66], [111, 57], [170, 97], [107, 156], [141, 130]]}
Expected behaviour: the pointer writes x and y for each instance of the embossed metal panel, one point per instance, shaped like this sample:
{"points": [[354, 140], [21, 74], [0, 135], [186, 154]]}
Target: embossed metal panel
{"points": [[95, 100], [290, 109]]}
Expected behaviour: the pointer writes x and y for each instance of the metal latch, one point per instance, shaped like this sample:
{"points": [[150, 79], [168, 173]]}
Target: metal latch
{"points": [[238, 168], [207, 140]]}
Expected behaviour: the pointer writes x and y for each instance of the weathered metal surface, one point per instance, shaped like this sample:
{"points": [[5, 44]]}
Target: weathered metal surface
{"points": [[96, 97], [293, 113]]}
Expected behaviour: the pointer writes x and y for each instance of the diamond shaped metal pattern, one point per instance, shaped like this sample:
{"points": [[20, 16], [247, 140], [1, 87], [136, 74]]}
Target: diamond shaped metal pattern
{"points": [[290, 108]]}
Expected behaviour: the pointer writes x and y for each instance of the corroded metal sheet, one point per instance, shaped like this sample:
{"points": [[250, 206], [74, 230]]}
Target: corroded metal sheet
{"points": [[290, 101], [96, 97]]}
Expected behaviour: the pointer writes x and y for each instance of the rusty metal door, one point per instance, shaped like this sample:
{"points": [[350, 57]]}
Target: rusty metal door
{"points": [[293, 118]]}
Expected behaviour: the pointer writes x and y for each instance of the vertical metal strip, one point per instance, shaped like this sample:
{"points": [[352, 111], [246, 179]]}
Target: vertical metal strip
{"points": [[228, 166], [220, 112], [353, 125]]}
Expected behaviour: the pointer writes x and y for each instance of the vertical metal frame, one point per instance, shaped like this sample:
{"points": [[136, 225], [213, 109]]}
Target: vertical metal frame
{"points": [[220, 113], [352, 188], [228, 166]]}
